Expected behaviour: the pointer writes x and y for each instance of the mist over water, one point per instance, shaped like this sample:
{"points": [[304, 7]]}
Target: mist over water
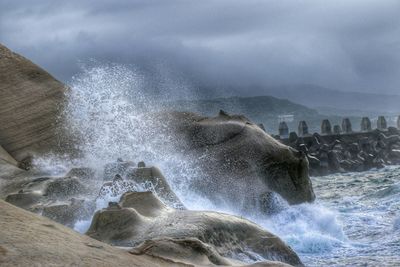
{"points": [[108, 109]]}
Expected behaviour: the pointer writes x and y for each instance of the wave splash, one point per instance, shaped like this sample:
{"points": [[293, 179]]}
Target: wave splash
{"points": [[106, 108]]}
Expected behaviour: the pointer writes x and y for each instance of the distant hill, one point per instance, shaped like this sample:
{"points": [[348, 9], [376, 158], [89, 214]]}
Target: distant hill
{"points": [[324, 99], [260, 109]]}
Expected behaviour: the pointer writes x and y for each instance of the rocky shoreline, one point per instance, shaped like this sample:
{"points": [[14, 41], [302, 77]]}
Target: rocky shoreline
{"points": [[146, 217]]}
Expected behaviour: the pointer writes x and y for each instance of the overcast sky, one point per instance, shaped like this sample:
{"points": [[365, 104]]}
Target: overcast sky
{"points": [[346, 45]]}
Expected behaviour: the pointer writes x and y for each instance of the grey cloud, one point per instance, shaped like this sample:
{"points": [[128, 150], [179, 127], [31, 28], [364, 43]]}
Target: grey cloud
{"points": [[347, 45]]}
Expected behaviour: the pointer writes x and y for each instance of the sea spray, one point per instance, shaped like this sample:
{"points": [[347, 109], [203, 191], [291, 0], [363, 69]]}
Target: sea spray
{"points": [[107, 108]]}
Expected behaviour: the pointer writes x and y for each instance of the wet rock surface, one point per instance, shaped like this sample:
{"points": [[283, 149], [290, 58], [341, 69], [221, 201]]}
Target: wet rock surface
{"points": [[28, 239], [58, 198], [141, 216], [235, 155], [142, 221], [31, 104]]}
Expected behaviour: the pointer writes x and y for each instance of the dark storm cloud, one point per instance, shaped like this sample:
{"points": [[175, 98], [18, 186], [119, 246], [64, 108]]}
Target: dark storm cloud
{"points": [[347, 45]]}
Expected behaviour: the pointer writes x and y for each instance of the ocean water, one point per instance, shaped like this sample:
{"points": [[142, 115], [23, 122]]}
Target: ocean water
{"points": [[355, 220]]}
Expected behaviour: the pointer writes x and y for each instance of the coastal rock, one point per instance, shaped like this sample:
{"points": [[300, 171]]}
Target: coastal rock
{"points": [[239, 161], [54, 197], [193, 252], [28, 239], [82, 173], [139, 179], [6, 157], [135, 221], [69, 212], [119, 167], [30, 107]]}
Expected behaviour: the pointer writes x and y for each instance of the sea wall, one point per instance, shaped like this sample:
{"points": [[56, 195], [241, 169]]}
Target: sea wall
{"points": [[341, 149]]}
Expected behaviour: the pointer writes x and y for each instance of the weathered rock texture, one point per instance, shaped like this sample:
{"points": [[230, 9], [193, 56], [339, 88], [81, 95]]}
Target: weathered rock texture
{"points": [[58, 198], [239, 162], [138, 179], [27, 239], [5, 157], [30, 102], [141, 216]]}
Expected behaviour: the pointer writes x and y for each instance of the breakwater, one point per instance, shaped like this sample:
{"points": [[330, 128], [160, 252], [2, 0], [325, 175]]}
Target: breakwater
{"points": [[339, 148]]}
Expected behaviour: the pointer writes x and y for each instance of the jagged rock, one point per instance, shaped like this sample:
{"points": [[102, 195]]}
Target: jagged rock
{"points": [[381, 123], [24, 200], [69, 212], [388, 140], [303, 128], [117, 187], [366, 124], [119, 167], [346, 126], [26, 163], [63, 187], [393, 131], [138, 221], [326, 127], [82, 173], [139, 179], [152, 178], [47, 193]]}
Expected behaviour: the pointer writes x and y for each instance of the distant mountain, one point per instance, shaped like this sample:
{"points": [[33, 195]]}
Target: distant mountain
{"points": [[260, 109], [324, 99]]}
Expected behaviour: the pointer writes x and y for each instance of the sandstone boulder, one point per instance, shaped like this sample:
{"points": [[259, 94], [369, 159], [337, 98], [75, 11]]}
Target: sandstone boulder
{"points": [[142, 216], [28, 239], [140, 179], [31, 101], [238, 160], [55, 197]]}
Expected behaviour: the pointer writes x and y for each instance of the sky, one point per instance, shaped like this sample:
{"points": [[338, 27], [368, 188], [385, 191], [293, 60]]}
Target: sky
{"points": [[250, 44]]}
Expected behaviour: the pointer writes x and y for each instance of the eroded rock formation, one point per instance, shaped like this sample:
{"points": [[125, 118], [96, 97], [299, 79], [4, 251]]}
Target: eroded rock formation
{"points": [[28, 239], [239, 161], [31, 102], [141, 216]]}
